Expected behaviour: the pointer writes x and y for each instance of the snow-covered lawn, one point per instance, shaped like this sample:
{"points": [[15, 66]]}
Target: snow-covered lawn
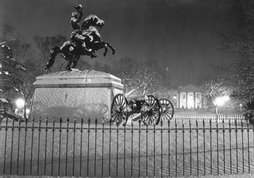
{"points": [[177, 149]]}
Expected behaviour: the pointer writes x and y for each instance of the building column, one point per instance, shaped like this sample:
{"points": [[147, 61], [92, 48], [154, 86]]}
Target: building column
{"points": [[186, 94], [194, 98], [178, 99]]}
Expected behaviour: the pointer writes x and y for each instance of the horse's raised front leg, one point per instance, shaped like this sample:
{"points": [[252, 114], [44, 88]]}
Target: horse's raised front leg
{"points": [[106, 50], [112, 49]]}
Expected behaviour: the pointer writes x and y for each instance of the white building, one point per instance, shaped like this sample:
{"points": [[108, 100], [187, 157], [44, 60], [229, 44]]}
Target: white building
{"points": [[185, 97]]}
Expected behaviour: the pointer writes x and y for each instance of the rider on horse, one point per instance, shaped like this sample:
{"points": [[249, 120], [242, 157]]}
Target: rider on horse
{"points": [[85, 40], [76, 36]]}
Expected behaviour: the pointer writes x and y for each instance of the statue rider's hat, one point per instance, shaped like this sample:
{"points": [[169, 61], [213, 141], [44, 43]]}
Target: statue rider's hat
{"points": [[78, 7], [74, 14]]}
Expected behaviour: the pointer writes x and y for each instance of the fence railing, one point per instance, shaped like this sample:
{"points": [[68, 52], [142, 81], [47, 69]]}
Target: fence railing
{"points": [[89, 149], [212, 117]]}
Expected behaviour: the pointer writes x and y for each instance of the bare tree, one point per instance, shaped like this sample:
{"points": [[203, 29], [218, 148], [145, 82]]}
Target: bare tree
{"points": [[214, 88], [142, 77]]}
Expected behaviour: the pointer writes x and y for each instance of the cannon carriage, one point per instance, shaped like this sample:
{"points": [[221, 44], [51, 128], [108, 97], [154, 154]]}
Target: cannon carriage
{"points": [[147, 109]]}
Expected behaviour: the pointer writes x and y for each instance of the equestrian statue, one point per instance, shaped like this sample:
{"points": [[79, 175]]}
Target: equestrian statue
{"points": [[85, 40]]}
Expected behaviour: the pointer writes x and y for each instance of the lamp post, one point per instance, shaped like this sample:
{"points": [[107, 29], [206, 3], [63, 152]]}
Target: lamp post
{"points": [[220, 101]]}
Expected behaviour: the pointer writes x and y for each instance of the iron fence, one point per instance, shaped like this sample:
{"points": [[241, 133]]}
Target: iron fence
{"points": [[93, 149]]}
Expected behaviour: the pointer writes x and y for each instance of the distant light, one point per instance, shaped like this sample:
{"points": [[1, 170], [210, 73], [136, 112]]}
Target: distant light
{"points": [[174, 97], [221, 100], [20, 103], [27, 111]]}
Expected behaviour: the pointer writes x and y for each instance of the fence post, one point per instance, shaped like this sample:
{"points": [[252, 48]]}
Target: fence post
{"points": [[183, 148], [154, 152], [60, 139], [236, 142], [5, 145], [197, 148], [139, 135], [53, 142], [95, 146], [190, 130], [211, 147], [161, 148], [102, 154], [217, 139], [223, 141], [12, 139], [146, 151], [32, 141], [81, 147], [88, 142], [242, 145], [176, 147], [38, 155], [46, 140], [248, 138], [230, 146], [131, 149], [204, 147], [73, 153], [24, 160], [66, 148], [169, 148], [124, 147]]}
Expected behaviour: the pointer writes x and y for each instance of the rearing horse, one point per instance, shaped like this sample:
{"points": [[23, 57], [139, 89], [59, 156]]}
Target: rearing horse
{"points": [[71, 51]]}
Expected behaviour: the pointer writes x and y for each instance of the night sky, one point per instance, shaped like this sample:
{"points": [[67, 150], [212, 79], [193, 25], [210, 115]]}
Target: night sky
{"points": [[179, 34]]}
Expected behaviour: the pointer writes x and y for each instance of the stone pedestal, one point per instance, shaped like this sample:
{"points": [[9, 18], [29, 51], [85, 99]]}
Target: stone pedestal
{"points": [[74, 95]]}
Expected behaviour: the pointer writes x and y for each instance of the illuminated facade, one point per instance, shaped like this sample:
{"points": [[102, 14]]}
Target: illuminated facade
{"points": [[185, 97]]}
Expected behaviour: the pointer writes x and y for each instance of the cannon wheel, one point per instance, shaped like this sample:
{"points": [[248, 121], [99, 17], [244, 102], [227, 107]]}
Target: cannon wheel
{"points": [[119, 109], [150, 112], [167, 110]]}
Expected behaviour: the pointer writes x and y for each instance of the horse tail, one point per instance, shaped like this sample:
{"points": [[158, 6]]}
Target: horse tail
{"points": [[54, 51]]}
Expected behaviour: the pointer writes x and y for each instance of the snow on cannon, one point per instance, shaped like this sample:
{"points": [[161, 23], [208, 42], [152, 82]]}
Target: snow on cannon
{"points": [[147, 109]]}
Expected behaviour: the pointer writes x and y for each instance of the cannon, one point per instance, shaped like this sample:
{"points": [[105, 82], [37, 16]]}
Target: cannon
{"points": [[147, 109], [7, 111]]}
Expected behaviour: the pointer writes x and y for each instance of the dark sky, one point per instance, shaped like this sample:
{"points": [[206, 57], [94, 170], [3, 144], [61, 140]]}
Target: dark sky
{"points": [[179, 34]]}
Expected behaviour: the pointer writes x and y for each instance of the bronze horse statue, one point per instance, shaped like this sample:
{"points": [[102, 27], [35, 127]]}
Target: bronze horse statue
{"points": [[71, 51]]}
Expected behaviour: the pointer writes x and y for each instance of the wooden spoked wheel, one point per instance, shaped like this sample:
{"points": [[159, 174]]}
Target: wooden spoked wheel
{"points": [[150, 112], [119, 109], [166, 110]]}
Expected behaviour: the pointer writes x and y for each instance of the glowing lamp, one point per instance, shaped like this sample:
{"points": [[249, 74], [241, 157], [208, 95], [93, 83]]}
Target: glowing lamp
{"points": [[20, 103], [221, 100]]}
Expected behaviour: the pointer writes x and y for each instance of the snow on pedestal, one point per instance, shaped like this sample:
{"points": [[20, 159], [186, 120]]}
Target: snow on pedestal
{"points": [[74, 95]]}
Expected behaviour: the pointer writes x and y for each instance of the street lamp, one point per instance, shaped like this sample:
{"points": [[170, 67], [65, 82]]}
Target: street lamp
{"points": [[20, 103], [220, 101], [21, 107]]}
